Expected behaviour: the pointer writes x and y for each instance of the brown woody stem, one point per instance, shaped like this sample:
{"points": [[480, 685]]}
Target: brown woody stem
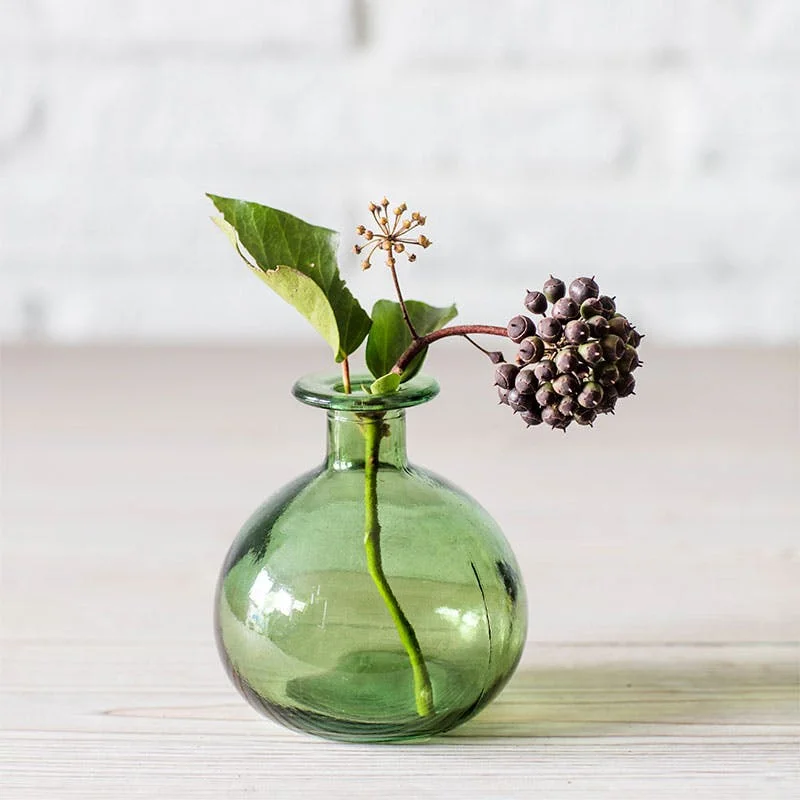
{"points": [[403, 308], [454, 330]]}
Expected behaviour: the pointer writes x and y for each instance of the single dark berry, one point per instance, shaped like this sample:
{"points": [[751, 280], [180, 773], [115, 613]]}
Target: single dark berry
{"points": [[554, 418], [502, 395], [635, 338], [606, 373], [535, 302], [496, 357], [582, 289], [567, 406], [515, 400], [554, 289], [625, 361], [613, 347], [591, 352], [545, 371], [519, 327], [598, 326], [531, 417], [582, 371], [531, 349], [565, 309], [576, 331], [607, 305], [567, 360], [619, 326], [626, 385], [631, 353], [504, 375], [550, 329], [566, 385], [591, 395], [591, 308], [525, 382], [546, 395], [610, 395], [584, 416]]}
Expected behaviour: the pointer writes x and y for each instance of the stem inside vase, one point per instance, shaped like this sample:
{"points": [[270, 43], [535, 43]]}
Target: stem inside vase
{"points": [[372, 427]]}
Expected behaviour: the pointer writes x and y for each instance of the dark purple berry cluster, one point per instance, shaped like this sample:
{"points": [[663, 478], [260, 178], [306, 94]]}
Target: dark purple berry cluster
{"points": [[575, 362]]}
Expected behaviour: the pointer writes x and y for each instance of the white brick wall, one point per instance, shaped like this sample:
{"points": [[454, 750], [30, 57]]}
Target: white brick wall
{"points": [[654, 143]]}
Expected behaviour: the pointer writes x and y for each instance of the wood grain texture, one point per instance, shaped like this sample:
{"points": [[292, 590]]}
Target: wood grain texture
{"points": [[664, 590]]}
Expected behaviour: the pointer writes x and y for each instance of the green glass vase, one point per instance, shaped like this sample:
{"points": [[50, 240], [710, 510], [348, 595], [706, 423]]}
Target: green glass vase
{"points": [[370, 600]]}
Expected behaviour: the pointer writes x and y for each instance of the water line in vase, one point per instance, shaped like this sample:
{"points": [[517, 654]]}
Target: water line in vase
{"points": [[372, 426]]}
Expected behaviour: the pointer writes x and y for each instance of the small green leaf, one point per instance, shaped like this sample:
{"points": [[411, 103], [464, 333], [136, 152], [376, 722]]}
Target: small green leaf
{"points": [[389, 336], [291, 254], [386, 384]]}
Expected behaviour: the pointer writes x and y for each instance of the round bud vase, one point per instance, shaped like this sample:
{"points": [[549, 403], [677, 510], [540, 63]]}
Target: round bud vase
{"points": [[370, 600]]}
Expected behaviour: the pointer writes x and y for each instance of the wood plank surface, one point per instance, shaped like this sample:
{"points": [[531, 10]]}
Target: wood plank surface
{"points": [[661, 552]]}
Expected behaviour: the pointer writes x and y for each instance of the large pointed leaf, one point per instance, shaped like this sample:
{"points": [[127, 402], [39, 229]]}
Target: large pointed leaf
{"points": [[389, 336], [292, 255]]}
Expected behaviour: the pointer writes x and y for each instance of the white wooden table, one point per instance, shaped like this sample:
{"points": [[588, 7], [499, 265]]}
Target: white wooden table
{"points": [[665, 616]]}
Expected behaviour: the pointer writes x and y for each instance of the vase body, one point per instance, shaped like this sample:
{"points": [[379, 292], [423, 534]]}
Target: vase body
{"points": [[370, 600]]}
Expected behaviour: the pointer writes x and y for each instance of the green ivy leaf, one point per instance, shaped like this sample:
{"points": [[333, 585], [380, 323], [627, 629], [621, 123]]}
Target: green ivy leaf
{"points": [[389, 336], [386, 384], [298, 261]]}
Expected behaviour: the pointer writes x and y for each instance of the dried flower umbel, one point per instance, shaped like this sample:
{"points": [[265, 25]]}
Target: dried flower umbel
{"points": [[392, 236]]}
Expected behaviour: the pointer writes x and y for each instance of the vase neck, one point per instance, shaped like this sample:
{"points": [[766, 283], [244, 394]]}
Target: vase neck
{"points": [[347, 445]]}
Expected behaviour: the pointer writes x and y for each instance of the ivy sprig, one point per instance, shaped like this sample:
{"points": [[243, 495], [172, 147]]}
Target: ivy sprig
{"points": [[298, 261]]}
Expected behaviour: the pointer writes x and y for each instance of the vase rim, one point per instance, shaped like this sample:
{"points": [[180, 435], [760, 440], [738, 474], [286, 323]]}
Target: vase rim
{"points": [[324, 390]]}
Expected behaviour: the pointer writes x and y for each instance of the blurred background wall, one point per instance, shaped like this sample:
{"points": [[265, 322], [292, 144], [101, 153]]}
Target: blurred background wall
{"points": [[653, 143]]}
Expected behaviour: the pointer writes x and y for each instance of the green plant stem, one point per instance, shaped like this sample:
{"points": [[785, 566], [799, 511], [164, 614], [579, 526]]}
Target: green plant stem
{"points": [[423, 691]]}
